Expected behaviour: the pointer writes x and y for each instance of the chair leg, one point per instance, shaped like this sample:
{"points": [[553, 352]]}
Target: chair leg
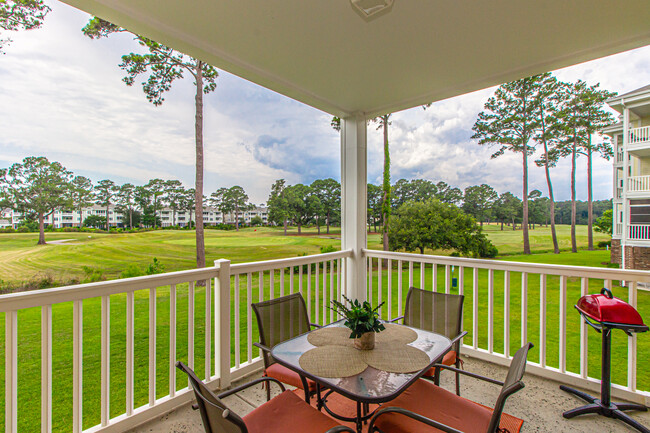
{"points": [[436, 376], [458, 384], [268, 392]]}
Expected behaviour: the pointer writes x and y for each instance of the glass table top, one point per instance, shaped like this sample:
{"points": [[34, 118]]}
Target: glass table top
{"points": [[371, 385]]}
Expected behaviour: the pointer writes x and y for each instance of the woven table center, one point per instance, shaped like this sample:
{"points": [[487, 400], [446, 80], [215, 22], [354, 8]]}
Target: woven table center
{"points": [[335, 355]]}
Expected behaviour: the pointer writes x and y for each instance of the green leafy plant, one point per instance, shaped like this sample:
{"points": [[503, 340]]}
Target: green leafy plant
{"points": [[359, 317]]}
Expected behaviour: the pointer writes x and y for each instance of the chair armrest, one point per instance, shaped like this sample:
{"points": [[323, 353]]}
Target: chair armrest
{"points": [[458, 337], [467, 373], [339, 429], [414, 416], [262, 347], [249, 384], [396, 319], [315, 325]]}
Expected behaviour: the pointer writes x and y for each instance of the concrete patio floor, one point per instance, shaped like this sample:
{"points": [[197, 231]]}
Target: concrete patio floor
{"points": [[540, 404]]}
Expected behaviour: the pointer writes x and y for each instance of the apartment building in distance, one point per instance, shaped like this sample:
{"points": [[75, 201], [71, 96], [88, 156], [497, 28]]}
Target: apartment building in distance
{"points": [[74, 218], [631, 174]]}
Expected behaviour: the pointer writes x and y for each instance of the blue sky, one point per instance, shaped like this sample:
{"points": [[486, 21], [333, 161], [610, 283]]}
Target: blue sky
{"points": [[62, 97]]}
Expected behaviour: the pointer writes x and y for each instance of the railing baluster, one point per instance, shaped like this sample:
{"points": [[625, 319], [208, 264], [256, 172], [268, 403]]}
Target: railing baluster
{"points": [[77, 366], [584, 340], [524, 308], [631, 341], [331, 289], [461, 280], [208, 329], [300, 282], [490, 310], [399, 288], [410, 277], [506, 314], [11, 372], [369, 261], [309, 306], [281, 281], [389, 270], [324, 293], [130, 366], [190, 326], [475, 309], [249, 317], [172, 340], [542, 320], [338, 278], [447, 282], [423, 269], [237, 324], [563, 281], [317, 294], [152, 346], [291, 290], [380, 281], [271, 281], [261, 286], [106, 360], [46, 368], [434, 278]]}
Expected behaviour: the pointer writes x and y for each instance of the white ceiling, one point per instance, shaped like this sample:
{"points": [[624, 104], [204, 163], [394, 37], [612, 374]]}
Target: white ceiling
{"points": [[321, 52]]}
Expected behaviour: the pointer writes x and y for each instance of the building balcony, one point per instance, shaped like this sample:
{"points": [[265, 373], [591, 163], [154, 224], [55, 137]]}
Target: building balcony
{"points": [[639, 232], [638, 184], [639, 141], [114, 343]]}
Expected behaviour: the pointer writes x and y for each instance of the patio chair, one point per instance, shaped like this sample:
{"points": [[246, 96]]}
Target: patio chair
{"points": [[278, 320], [441, 313], [425, 407], [285, 413]]}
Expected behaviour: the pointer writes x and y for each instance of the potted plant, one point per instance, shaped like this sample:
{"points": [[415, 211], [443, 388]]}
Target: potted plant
{"points": [[363, 321]]}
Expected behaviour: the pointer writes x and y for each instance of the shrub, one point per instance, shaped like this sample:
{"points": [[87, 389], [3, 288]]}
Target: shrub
{"points": [[92, 275], [604, 244], [327, 249], [131, 271], [156, 267], [23, 229]]}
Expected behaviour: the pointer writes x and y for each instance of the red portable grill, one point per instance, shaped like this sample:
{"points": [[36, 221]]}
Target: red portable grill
{"points": [[604, 312]]}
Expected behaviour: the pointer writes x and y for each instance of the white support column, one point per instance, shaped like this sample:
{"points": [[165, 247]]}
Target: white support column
{"points": [[625, 230], [222, 323], [354, 202]]}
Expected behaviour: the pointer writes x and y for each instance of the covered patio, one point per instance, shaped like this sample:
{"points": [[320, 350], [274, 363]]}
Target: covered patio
{"points": [[329, 55]]}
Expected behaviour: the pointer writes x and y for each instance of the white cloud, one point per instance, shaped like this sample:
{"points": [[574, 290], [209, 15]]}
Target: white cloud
{"points": [[62, 97]]}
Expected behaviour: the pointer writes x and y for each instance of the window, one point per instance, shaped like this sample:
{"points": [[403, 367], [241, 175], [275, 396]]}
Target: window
{"points": [[640, 211]]}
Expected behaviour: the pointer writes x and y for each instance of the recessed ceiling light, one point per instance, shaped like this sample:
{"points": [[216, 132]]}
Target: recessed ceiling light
{"points": [[370, 8]]}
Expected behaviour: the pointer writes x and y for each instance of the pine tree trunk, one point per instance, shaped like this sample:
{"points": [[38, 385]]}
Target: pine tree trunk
{"points": [[549, 184], [386, 186], [108, 227], [198, 197], [318, 224], [41, 229], [501, 225], [131, 218], [236, 218], [574, 245], [525, 200], [328, 222], [590, 202], [299, 227], [285, 227]]}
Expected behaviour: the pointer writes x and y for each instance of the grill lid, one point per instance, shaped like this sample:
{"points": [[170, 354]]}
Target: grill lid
{"points": [[608, 310]]}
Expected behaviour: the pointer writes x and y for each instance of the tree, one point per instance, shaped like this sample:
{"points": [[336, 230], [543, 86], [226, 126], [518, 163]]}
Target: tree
{"points": [[165, 65], [21, 15], [125, 201], [221, 201], [238, 202], [436, 225], [386, 193], [447, 194], [604, 223], [95, 221], [157, 189], [278, 204], [479, 200], [508, 122], [374, 205], [412, 190], [105, 191], [81, 194], [547, 106], [508, 208], [594, 119], [328, 192], [36, 186], [301, 203], [174, 192], [257, 221]]}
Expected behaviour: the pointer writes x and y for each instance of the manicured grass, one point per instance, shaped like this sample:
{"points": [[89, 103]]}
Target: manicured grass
{"points": [[21, 260]]}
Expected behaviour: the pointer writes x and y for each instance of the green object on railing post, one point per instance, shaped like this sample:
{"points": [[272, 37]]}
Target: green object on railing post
{"points": [[454, 282]]}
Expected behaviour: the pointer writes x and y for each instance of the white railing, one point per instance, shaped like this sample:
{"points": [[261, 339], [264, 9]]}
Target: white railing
{"points": [[183, 318], [618, 229], [639, 135], [639, 231], [638, 183], [503, 298], [619, 155]]}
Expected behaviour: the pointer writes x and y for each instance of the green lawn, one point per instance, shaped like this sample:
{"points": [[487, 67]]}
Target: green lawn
{"points": [[21, 260]]}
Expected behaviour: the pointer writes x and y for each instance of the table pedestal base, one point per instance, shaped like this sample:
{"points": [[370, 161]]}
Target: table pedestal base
{"points": [[363, 412]]}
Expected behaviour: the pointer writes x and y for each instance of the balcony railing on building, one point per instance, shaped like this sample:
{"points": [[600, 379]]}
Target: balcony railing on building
{"points": [[638, 183], [639, 135], [639, 232], [204, 317]]}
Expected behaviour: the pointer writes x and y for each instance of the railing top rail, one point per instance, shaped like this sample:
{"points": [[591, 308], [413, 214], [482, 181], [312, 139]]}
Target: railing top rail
{"points": [[244, 268], [37, 298], [538, 268]]}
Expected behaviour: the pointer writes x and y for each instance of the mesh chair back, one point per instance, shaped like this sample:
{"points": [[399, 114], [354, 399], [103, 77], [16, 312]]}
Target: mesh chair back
{"points": [[436, 312], [279, 320], [216, 416], [512, 384]]}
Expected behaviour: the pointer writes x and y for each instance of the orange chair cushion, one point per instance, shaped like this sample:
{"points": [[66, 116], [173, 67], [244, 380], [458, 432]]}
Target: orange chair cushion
{"points": [[448, 359], [287, 413], [290, 377], [438, 404]]}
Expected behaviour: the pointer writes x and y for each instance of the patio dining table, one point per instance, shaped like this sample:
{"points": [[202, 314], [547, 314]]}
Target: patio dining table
{"points": [[372, 385]]}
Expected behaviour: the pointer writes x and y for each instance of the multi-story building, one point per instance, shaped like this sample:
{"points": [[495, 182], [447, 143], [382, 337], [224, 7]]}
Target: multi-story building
{"points": [[631, 203], [74, 218]]}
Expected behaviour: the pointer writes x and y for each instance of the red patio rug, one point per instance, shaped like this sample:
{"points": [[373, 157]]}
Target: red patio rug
{"points": [[348, 408]]}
